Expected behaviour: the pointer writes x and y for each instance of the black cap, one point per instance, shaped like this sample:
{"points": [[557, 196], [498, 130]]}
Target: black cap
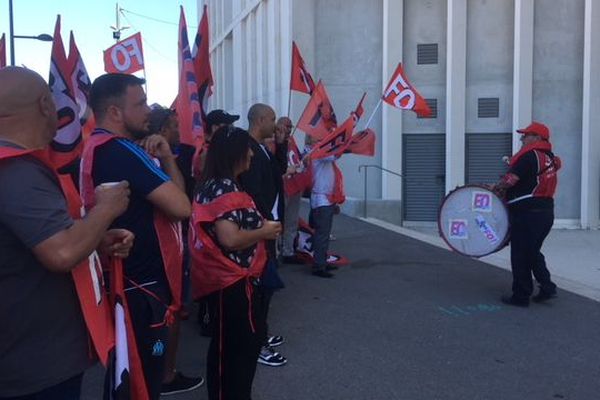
{"points": [[220, 117]]}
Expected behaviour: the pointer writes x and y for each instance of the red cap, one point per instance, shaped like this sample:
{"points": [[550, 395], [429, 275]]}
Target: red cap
{"points": [[536, 128]]}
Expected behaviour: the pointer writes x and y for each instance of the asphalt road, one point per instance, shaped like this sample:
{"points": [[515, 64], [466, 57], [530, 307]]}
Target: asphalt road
{"points": [[407, 320]]}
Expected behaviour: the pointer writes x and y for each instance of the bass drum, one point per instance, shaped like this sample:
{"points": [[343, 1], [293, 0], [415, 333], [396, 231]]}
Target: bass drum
{"points": [[473, 221]]}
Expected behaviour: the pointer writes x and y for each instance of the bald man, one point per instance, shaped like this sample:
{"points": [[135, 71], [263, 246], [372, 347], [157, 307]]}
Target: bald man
{"points": [[44, 343], [263, 182]]}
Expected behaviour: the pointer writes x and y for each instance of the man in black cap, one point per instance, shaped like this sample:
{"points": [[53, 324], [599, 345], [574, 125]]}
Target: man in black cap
{"points": [[216, 119]]}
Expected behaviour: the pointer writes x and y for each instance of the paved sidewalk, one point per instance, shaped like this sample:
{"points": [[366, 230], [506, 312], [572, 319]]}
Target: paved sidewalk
{"points": [[572, 255]]}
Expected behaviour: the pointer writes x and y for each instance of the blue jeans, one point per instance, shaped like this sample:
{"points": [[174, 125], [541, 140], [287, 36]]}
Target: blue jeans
{"points": [[67, 390]]}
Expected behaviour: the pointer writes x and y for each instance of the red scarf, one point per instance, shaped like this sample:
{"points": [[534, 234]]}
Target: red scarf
{"points": [[541, 145]]}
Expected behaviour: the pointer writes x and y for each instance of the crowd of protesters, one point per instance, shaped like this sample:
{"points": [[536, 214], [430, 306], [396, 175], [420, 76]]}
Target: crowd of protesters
{"points": [[165, 223]]}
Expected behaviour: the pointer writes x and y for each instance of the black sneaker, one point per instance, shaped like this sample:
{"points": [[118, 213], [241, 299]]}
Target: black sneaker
{"points": [[270, 357], [181, 384], [274, 341], [321, 273], [543, 296], [513, 301]]}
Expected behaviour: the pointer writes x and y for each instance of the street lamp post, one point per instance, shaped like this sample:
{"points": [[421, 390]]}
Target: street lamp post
{"points": [[43, 37]]}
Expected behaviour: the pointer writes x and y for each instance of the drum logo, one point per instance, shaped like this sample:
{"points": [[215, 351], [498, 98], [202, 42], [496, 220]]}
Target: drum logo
{"points": [[482, 202], [458, 229], [487, 230]]}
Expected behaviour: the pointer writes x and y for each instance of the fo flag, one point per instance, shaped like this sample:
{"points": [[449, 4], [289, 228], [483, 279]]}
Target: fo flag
{"points": [[335, 143], [301, 180], [304, 246], [401, 94], [301, 80], [188, 106], [318, 118], [360, 110], [125, 378], [3, 51], [70, 85], [201, 59], [125, 57], [362, 143]]}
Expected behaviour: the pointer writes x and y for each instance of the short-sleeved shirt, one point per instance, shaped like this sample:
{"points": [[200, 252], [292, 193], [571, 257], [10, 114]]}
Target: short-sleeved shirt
{"points": [[521, 195], [43, 337], [121, 159], [244, 218]]}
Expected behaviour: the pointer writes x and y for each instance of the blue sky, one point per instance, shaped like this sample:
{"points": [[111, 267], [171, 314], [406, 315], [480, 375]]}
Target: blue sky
{"points": [[90, 22]]}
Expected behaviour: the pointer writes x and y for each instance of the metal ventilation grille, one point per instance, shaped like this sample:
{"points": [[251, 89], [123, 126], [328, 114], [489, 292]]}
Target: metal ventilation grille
{"points": [[427, 53], [488, 107], [484, 153], [432, 103]]}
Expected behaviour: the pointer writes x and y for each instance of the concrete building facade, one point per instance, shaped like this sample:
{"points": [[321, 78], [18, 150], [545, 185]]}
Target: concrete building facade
{"points": [[486, 67]]}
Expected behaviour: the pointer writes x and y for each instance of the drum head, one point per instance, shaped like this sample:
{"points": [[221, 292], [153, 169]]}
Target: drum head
{"points": [[473, 221]]}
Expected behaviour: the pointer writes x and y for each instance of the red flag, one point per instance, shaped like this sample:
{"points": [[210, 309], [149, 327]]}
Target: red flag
{"points": [[360, 110], [335, 143], [362, 143], [304, 247], [401, 94], [67, 144], [201, 57], [318, 117], [3, 51], [301, 180], [81, 84], [125, 57], [301, 80], [188, 105]]}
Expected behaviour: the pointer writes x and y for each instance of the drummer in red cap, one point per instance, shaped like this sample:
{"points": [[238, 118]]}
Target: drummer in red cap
{"points": [[529, 187]]}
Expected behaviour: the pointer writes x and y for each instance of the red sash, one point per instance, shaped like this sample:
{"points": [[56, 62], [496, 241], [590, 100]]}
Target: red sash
{"points": [[87, 276], [211, 269], [337, 196], [168, 233], [548, 165]]}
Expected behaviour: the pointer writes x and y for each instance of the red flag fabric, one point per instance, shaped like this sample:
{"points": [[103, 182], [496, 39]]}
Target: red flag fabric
{"points": [[201, 57], [81, 87], [401, 94], [301, 80], [3, 51], [362, 143], [188, 107], [360, 110], [125, 57], [335, 143], [318, 117], [304, 247], [301, 180], [67, 144]]}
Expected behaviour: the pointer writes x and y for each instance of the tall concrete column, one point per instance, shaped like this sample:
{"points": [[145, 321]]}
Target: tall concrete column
{"points": [[238, 70], [590, 152], [523, 68], [391, 126], [456, 70], [285, 43]]}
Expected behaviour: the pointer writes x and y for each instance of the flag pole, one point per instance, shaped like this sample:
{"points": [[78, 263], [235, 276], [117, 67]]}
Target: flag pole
{"points": [[373, 113]]}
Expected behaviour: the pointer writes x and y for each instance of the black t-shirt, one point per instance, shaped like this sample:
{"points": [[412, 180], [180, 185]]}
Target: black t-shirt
{"points": [[245, 218], [43, 338], [121, 159], [527, 169]]}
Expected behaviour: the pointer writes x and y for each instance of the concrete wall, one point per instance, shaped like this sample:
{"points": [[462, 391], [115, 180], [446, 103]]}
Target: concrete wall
{"points": [[490, 26], [348, 60], [558, 92]]}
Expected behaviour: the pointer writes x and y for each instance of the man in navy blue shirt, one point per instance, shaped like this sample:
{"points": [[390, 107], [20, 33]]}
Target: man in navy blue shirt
{"points": [[121, 112]]}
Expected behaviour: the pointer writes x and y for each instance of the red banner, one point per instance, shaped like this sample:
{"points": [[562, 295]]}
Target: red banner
{"points": [[360, 110], [318, 118], [201, 58], [188, 105], [125, 57], [401, 94], [3, 51], [301, 80]]}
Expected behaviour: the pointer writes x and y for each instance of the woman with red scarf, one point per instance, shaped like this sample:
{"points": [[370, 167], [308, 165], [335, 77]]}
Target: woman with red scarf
{"points": [[227, 237], [529, 185]]}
